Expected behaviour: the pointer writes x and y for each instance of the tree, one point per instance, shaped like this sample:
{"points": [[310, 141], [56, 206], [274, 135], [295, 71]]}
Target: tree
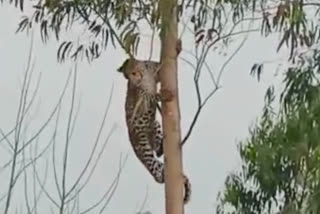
{"points": [[280, 170], [127, 17], [120, 21], [280, 160], [170, 108], [29, 147]]}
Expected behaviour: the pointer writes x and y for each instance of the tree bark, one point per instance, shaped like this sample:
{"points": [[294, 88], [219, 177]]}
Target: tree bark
{"points": [[170, 108]]}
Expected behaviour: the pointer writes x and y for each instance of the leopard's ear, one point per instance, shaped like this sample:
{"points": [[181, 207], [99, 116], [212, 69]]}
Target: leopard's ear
{"points": [[123, 67]]}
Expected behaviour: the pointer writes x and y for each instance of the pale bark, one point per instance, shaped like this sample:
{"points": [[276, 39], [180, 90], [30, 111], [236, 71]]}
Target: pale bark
{"points": [[170, 109]]}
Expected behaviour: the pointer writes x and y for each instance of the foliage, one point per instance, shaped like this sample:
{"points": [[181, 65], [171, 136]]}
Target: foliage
{"points": [[119, 22], [280, 170]]}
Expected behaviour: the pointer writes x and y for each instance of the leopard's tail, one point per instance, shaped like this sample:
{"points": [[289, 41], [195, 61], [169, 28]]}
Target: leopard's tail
{"points": [[187, 190]]}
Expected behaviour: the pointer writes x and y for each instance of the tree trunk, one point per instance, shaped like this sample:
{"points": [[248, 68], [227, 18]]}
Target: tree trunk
{"points": [[170, 108]]}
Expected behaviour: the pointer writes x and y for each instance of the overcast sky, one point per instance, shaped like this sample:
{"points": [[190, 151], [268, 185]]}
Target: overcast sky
{"points": [[209, 155]]}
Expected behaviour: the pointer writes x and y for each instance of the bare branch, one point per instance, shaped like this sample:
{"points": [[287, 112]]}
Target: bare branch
{"points": [[93, 168], [116, 184], [44, 125], [95, 145], [110, 190], [43, 188], [201, 61], [55, 175], [21, 109], [66, 150], [5, 136]]}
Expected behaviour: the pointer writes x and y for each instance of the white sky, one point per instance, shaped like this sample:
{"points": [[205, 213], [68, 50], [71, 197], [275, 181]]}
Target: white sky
{"points": [[209, 155]]}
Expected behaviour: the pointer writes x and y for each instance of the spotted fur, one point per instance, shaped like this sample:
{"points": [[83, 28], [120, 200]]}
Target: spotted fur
{"points": [[144, 130]]}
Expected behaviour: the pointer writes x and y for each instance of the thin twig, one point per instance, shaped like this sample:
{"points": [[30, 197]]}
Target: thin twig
{"points": [[66, 149], [43, 188], [95, 144], [201, 60], [55, 174], [116, 184], [22, 104], [94, 166], [110, 190]]}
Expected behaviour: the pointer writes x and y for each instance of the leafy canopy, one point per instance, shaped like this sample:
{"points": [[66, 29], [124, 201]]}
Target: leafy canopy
{"points": [[119, 21], [280, 170]]}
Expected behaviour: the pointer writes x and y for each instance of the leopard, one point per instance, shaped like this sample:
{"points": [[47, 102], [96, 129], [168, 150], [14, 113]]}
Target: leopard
{"points": [[141, 104]]}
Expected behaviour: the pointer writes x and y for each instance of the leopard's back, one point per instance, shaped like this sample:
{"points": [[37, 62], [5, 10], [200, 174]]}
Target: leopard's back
{"points": [[141, 132]]}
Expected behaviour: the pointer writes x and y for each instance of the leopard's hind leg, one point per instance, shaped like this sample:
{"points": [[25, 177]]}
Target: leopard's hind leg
{"points": [[144, 150], [157, 138]]}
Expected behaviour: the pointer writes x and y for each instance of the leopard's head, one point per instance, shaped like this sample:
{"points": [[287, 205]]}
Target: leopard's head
{"points": [[140, 74]]}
